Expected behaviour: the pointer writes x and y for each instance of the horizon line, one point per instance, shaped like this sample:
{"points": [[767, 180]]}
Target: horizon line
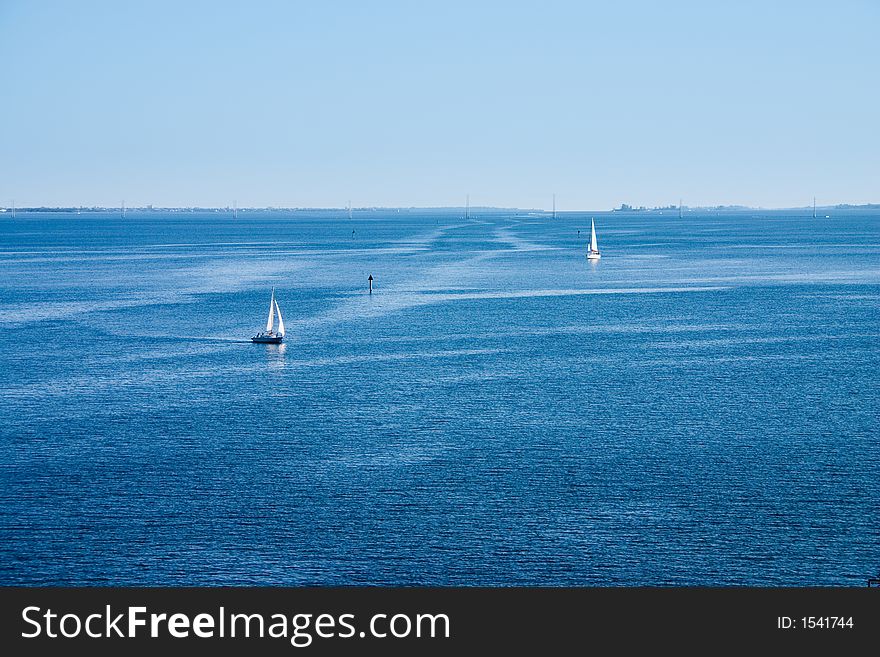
{"points": [[624, 207]]}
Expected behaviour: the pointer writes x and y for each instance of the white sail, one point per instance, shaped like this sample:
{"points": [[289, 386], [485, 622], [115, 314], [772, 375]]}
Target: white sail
{"points": [[280, 321], [594, 243], [270, 322]]}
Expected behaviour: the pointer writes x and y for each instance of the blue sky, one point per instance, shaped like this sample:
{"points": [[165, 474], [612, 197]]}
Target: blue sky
{"points": [[419, 103]]}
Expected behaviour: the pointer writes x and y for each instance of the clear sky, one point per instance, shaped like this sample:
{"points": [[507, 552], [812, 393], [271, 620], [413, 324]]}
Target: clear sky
{"points": [[313, 103]]}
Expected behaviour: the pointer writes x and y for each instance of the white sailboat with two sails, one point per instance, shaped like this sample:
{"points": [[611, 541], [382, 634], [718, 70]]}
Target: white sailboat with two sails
{"points": [[270, 335]]}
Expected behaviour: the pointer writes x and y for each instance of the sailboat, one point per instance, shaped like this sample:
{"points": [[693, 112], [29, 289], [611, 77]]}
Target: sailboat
{"points": [[271, 336], [593, 252]]}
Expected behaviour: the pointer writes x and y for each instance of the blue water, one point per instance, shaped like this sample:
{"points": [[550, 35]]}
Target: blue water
{"points": [[700, 407]]}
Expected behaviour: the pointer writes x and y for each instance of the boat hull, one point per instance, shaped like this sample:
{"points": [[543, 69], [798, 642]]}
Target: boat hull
{"points": [[267, 339], [593, 256]]}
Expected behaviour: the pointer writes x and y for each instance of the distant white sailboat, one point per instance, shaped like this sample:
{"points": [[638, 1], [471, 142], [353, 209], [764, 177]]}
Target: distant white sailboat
{"points": [[593, 252], [270, 335]]}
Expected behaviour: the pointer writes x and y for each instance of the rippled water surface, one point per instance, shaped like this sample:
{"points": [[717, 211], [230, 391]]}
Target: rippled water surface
{"points": [[699, 407]]}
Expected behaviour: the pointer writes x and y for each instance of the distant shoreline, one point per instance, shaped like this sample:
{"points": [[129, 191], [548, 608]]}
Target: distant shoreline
{"points": [[623, 208]]}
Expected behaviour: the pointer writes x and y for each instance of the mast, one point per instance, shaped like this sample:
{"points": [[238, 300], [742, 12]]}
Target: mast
{"points": [[270, 323], [814, 207], [13, 208], [554, 206], [235, 209], [349, 210], [679, 208], [467, 206], [594, 243], [123, 209]]}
